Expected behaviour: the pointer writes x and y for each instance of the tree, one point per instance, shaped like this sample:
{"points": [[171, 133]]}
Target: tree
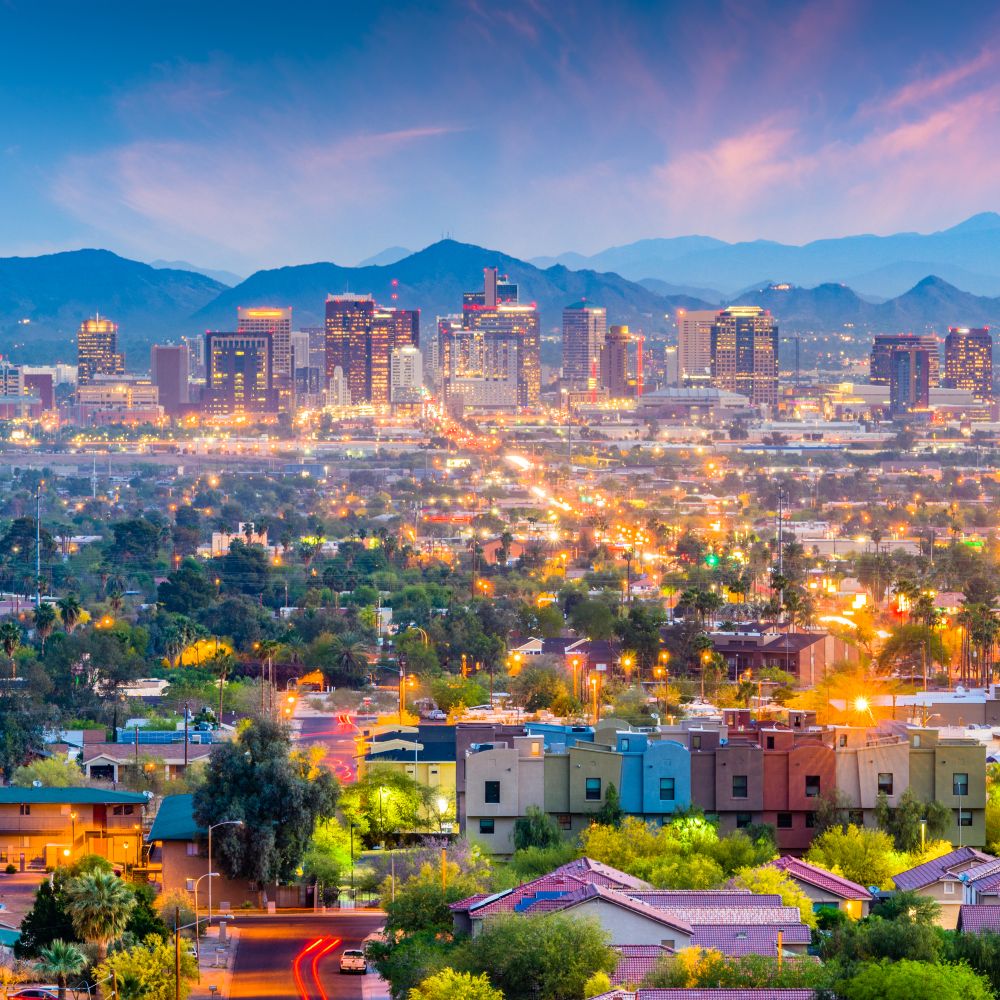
{"points": [[20, 732], [705, 968], [279, 794], [186, 531], [44, 619], [611, 812], [421, 903], [51, 772], [47, 920], [767, 879], [136, 542], [908, 980], [536, 828], [10, 639], [149, 970], [593, 619], [244, 569], [186, 589], [60, 961], [537, 686], [99, 904], [384, 803], [903, 823], [70, 610], [867, 857], [451, 985], [543, 957]]}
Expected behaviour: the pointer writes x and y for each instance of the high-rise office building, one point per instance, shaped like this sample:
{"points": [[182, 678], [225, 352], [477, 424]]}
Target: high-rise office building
{"points": [[505, 324], [745, 353], [360, 339], [277, 322], [97, 350], [968, 360], [614, 362], [909, 379], [168, 367], [694, 345], [879, 371], [196, 357], [583, 332], [406, 376], [478, 369], [239, 377]]}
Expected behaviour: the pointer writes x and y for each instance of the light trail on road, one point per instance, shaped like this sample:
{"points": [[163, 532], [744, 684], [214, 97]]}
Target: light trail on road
{"points": [[315, 965]]}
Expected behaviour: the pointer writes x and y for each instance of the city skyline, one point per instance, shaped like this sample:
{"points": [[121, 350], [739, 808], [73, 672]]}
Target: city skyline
{"points": [[215, 146]]}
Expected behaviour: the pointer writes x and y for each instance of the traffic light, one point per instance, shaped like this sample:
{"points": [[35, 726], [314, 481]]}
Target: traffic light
{"points": [[711, 560]]}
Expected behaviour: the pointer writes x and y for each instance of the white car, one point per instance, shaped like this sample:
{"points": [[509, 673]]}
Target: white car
{"points": [[353, 960]]}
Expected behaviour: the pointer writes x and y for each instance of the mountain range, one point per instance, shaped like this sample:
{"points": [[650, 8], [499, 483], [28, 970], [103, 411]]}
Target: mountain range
{"points": [[966, 255], [43, 299]]}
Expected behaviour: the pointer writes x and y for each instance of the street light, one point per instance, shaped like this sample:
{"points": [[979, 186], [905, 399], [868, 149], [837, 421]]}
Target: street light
{"points": [[227, 822], [193, 884], [442, 805]]}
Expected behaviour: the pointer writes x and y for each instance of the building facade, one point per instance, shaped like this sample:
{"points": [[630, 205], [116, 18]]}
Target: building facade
{"points": [[97, 350], [168, 366], [614, 362], [745, 354], [968, 361], [276, 323], [694, 346], [880, 361], [909, 380], [583, 332], [239, 374]]}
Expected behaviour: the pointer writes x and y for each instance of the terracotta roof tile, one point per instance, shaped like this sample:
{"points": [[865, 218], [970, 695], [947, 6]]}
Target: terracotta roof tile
{"points": [[821, 878], [975, 919], [933, 871]]}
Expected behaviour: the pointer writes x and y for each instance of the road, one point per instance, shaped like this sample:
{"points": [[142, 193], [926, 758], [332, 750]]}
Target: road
{"points": [[336, 734], [297, 957]]}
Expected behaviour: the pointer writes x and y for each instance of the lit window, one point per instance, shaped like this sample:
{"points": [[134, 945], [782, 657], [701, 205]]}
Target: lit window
{"points": [[667, 789], [593, 790]]}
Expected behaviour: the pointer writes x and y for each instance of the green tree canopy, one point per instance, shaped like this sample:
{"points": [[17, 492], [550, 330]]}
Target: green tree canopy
{"points": [[451, 985], [909, 980]]}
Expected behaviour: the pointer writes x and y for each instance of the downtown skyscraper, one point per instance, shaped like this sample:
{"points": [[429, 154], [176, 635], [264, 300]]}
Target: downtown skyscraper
{"points": [[745, 354], [584, 330], [360, 339], [97, 350], [968, 361]]}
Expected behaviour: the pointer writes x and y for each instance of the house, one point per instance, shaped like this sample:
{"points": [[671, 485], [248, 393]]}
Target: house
{"points": [[111, 762], [178, 856], [47, 827], [826, 890], [943, 880], [982, 883], [976, 919]]}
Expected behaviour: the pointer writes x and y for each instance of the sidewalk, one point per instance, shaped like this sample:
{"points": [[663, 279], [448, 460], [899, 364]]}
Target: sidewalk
{"points": [[220, 976], [374, 987]]}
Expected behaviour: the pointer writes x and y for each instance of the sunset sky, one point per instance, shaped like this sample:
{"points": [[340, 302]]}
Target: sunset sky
{"points": [[245, 135]]}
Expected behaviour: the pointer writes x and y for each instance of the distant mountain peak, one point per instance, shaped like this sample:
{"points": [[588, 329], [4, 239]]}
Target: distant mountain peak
{"points": [[386, 257], [981, 222]]}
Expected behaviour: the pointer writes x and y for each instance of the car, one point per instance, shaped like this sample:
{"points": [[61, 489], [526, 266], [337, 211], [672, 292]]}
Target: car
{"points": [[36, 993], [436, 715], [353, 960]]}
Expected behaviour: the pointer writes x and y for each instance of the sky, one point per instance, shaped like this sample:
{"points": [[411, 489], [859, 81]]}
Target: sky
{"points": [[248, 135]]}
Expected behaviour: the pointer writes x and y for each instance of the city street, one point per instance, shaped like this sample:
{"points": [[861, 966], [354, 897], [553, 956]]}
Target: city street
{"points": [[336, 733], [296, 957]]}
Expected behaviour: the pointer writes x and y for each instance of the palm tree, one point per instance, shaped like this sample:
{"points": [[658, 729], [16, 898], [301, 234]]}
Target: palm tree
{"points": [[59, 961], [99, 904], [115, 589], [70, 610], [45, 622], [350, 659], [10, 639]]}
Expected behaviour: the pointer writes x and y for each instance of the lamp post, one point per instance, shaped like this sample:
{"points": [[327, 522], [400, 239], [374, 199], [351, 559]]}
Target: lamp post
{"points": [[214, 826], [197, 938], [72, 818], [442, 805]]}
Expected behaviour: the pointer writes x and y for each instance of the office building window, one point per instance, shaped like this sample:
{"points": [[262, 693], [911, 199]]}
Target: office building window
{"points": [[743, 820], [959, 783], [812, 786], [593, 793], [667, 787], [885, 782], [492, 792], [739, 786], [784, 821], [487, 826], [965, 817]]}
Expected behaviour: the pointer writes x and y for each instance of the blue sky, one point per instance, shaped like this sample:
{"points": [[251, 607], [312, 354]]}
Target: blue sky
{"points": [[246, 135]]}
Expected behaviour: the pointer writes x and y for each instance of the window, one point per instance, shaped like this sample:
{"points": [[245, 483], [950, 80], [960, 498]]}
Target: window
{"points": [[885, 782], [810, 821], [536, 749], [25, 809], [965, 817], [491, 792], [743, 820], [739, 786], [696, 742], [593, 793], [121, 810], [565, 821], [667, 789], [784, 821], [625, 745], [193, 849], [959, 783], [916, 739], [487, 826], [770, 743], [843, 739], [949, 888], [812, 786]]}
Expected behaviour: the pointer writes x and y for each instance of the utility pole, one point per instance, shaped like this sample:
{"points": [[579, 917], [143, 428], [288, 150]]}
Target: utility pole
{"points": [[177, 952], [38, 547], [781, 549]]}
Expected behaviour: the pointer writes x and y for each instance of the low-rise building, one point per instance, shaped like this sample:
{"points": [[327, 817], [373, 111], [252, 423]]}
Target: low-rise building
{"points": [[943, 880], [826, 890]]}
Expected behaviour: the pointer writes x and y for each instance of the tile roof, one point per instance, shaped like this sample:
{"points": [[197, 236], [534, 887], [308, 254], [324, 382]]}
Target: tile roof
{"points": [[938, 869], [984, 877], [636, 961], [748, 940], [979, 918], [821, 878], [706, 897], [124, 753], [621, 900], [708, 994], [69, 796], [741, 916], [612, 875]]}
